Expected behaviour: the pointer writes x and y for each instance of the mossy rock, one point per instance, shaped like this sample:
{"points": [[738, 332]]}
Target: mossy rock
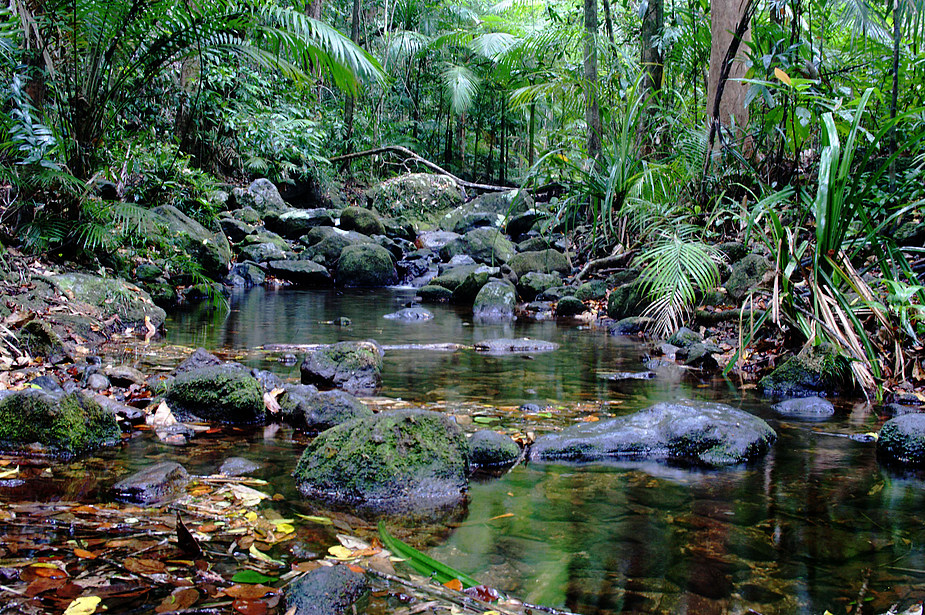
{"points": [[490, 449], [328, 590], [65, 425], [236, 230], [361, 220], [263, 196], [308, 408], [592, 291], [390, 461], [627, 300], [816, 371], [485, 245], [263, 252], [902, 440], [533, 283], [416, 194], [113, 297], [495, 301], [542, 261], [435, 294], [294, 223], [570, 306], [352, 366], [365, 265], [451, 278], [304, 273], [38, 339], [492, 208], [224, 393], [208, 248], [466, 292], [748, 273], [684, 337], [328, 249]]}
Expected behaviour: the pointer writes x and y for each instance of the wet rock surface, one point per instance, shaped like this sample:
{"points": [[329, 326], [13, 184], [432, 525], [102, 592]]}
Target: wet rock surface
{"points": [[308, 408], [687, 432], [355, 367], [490, 449], [153, 485], [811, 408], [225, 393], [329, 590], [902, 440]]}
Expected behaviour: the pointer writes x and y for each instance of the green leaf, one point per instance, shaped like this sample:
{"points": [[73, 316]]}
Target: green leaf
{"points": [[422, 563], [251, 576]]}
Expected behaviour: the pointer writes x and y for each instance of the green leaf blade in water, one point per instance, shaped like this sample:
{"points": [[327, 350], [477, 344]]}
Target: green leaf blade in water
{"points": [[422, 563], [251, 576]]}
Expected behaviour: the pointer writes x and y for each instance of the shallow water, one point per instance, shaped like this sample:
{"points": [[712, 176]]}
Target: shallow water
{"points": [[816, 525]]}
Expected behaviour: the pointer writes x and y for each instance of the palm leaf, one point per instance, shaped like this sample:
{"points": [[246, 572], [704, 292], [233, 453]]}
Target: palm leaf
{"points": [[423, 564], [461, 85]]}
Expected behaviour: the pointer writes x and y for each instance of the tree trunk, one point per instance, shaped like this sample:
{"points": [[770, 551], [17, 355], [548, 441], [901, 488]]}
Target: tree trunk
{"points": [[608, 20], [894, 99], [502, 147], [650, 55], [592, 106], [725, 90], [350, 103], [530, 155]]}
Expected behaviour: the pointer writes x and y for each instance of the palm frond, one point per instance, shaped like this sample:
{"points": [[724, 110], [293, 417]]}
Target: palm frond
{"points": [[461, 85], [493, 44]]}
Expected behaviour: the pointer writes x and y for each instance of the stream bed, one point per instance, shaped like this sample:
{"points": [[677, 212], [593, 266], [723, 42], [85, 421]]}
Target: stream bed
{"points": [[816, 525]]}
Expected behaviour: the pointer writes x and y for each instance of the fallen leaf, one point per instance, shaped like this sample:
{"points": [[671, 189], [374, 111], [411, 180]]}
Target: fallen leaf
{"points": [[454, 584], [181, 599], [42, 585], [187, 543], [263, 557], [144, 566], [83, 606], [341, 552], [250, 607], [251, 576], [248, 592], [504, 516], [84, 554]]}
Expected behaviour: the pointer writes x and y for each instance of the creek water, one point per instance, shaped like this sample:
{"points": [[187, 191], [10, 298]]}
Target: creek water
{"points": [[816, 525]]}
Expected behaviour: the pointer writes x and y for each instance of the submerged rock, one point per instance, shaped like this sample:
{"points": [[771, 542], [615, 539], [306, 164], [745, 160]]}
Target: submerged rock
{"points": [[507, 345], [391, 461], [902, 440], [688, 432], [813, 408], [306, 407], [305, 273], [351, 366], [489, 449], [329, 590], [154, 484], [225, 393], [411, 314], [238, 466], [61, 424]]}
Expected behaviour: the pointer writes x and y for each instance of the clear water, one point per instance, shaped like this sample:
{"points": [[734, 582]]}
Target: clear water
{"points": [[816, 525]]}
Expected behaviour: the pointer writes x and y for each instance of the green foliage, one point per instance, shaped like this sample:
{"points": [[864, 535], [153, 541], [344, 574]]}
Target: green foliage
{"points": [[421, 563]]}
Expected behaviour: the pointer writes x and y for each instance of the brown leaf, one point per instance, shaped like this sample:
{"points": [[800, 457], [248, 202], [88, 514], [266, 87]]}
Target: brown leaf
{"points": [[84, 554], [144, 566], [42, 585], [250, 607], [454, 584], [43, 571], [248, 592], [179, 600], [188, 544]]}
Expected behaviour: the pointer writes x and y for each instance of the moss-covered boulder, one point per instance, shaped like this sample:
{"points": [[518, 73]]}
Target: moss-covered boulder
{"points": [[365, 265], [454, 276], [902, 440], [225, 393], [432, 293], [235, 230], [209, 248], [490, 449], [816, 371], [38, 339], [61, 425], [263, 252], [308, 408], [543, 261], [391, 461], [568, 307], [531, 284], [473, 283], [485, 245], [327, 250], [361, 220], [262, 196], [748, 273], [414, 194], [495, 302], [627, 300], [491, 208], [592, 291], [112, 297], [355, 367], [695, 433]]}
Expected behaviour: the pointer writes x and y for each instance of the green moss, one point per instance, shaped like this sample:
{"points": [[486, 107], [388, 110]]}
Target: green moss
{"points": [[39, 340], [815, 370], [70, 424], [390, 456], [224, 393]]}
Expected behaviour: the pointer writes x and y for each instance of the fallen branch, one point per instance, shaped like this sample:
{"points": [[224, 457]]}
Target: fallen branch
{"points": [[398, 149], [614, 260]]}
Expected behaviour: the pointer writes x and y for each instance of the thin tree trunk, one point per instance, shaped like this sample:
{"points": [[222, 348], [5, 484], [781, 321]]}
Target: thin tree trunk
{"points": [[894, 100], [475, 143], [608, 21], [530, 153], [502, 147], [592, 105], [650, 55], [350, 103]]}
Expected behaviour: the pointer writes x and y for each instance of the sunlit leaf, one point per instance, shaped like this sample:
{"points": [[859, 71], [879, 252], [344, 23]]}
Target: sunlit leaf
{"points": [[83, 606], [782, 76], [316, 519]]}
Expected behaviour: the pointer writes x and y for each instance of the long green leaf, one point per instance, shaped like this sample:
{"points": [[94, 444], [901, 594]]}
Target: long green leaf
{"points": [[422, 563]]}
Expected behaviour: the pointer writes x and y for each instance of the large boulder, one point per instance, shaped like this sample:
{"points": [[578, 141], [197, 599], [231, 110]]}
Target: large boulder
{"points": [[352, 366], [414, 194], [210, 249], [294, 223], [485, 245], [263, 252], [495, 301], [542, 261], [533, 283], [59, 424], [327, 250], [451, 278], [112, 296], [361, 220], [308, 408], [303, 273], [365, 265], [390, 461], [499, 205], [696, 433], [225, 393], [328, 590], [262, 196], [902, 440], [815, 371]]}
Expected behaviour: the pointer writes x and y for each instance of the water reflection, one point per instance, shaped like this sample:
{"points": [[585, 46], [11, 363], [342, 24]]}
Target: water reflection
{"points": [[815, 526]]}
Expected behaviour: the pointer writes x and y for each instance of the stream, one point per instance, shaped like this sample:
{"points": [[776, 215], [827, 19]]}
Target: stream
{"points": [[816, 525]]}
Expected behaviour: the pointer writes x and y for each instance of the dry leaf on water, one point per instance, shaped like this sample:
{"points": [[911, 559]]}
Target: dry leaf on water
{"points": [[83, 606], [179, 600], [144, 566]]}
